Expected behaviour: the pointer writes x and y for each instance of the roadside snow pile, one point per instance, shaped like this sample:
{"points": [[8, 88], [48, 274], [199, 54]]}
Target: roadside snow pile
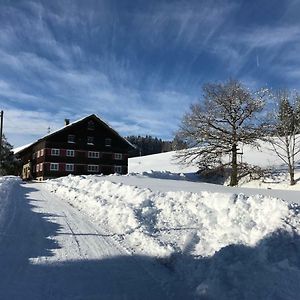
{"points": [[225, 246], [167, 175], [6, 184], [160, 224]]}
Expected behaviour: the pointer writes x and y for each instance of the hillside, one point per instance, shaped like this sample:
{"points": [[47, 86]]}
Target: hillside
{"points": [[164, 165], [158, 162], [263, 157]]}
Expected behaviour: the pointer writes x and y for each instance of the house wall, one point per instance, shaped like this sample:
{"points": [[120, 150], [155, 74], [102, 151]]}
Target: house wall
{"points": [[41, 155]]}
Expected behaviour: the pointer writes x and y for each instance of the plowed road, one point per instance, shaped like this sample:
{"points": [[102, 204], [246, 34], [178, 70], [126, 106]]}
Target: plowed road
{"points": [[49, 250]]}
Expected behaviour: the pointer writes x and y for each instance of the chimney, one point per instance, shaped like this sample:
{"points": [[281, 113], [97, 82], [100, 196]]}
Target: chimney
{"points": [[67, 122]]}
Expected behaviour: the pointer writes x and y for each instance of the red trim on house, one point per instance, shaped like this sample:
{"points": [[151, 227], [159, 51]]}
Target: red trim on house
{"points": [[62, 167], [63, 152]]}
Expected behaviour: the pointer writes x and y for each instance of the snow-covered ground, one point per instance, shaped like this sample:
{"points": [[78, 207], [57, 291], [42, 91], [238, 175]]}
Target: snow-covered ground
{"points": [[224, 245], [50, 250], [263, 157], [158, 162], [165, 166], [156, 233]]}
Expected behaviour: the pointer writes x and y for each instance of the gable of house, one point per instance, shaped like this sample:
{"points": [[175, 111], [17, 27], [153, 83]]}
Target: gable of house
{"points": [[87, 146]]}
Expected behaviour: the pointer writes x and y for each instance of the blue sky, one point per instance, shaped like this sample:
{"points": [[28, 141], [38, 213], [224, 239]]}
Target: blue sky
{"points": [[137, 64]]}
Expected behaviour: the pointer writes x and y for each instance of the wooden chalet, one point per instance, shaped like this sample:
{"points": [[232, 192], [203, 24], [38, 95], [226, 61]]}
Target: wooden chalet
{"points": [[87, 146]]}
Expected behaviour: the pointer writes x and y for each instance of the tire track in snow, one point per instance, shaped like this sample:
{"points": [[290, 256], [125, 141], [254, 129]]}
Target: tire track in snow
{"points": [[73, 235], [77, 220]]}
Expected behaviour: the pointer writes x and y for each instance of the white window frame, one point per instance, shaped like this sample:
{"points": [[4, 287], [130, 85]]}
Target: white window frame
{"points": [[38, 154], [41, 167], [93, 168], [108, 142], [93, 154], [71, 141], [70, 153], [42, 152], [37, 167], [118, 169], [54, 166], [55, 152], [118, 156], [68, 169]]}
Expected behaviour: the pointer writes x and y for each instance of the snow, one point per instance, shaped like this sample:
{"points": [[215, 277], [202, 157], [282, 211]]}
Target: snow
{"points": [[7, 183], [224, 245], [220, 219], [162, 184], [188, 239], [50, 250], [158, 162], [263, 156], [19, 149], [165, 166]]}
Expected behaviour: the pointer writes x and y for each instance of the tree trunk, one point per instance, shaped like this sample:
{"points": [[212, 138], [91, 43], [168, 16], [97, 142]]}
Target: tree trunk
{"points": [[234, 173], [292, 176]]}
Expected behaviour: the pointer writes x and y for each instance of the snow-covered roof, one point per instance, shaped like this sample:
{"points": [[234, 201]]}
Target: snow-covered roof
{"points": [[21, 148]]}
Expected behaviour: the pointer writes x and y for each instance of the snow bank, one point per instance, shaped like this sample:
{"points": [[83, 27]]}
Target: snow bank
{"points": [[226, 246], [6, 185], [167, 175], [163, 223]]}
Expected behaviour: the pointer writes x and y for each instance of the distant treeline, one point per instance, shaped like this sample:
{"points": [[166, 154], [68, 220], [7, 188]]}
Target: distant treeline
{"points": [[148, 144]]}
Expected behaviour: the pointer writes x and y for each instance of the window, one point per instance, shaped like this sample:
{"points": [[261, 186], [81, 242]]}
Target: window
{"points": [[42, 152], [107, 142], [90, 140], [37, 168], [93, 154], [70, 153], [55, 152], [38, 154], [41, 167], [69, 167], [118, 156], [93, 168], [71, 138], [118, 169], [53, 166], [91, 125], [34, 155]]}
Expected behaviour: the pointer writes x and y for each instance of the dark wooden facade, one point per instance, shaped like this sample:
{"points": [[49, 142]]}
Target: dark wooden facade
{"points": [[88, 146]]}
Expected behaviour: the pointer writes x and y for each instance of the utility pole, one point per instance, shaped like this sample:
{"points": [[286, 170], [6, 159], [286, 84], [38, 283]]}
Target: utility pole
{"points": [[1, 137]]}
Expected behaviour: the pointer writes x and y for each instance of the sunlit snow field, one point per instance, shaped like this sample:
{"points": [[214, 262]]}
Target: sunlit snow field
{"points": [[226, 243], [223, 242]]}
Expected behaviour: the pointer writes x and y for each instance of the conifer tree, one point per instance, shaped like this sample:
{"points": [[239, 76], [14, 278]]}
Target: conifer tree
{"points": [[8, 163], [285, 129]]}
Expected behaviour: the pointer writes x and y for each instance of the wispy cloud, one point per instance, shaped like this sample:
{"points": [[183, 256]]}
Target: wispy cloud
{"points": [[139, 66]]}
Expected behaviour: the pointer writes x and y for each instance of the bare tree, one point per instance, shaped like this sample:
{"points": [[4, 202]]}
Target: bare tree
{"points": [[285, 128], [218, 125]]}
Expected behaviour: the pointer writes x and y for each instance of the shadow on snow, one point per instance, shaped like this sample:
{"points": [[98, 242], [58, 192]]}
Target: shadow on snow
{"points": [[270, 270]]}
